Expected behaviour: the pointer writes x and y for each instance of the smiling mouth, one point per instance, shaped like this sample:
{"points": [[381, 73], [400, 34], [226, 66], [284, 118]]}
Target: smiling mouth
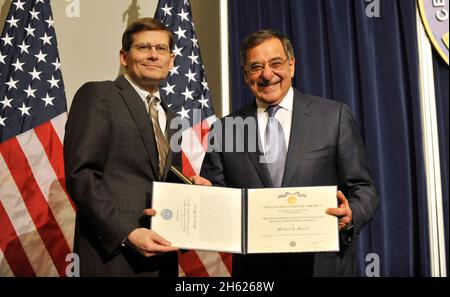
{"points": [[152, 66], [268, 84]]}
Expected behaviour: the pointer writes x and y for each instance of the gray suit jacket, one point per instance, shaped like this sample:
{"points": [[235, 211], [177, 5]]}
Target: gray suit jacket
{"points": [[110, 163], [324, 149]]}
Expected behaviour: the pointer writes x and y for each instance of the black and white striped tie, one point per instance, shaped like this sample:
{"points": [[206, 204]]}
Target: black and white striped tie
{"points": [[275, 147]]}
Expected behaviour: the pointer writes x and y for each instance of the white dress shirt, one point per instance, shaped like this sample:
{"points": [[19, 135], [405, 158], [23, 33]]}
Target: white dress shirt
{"points": [[144, 94]]}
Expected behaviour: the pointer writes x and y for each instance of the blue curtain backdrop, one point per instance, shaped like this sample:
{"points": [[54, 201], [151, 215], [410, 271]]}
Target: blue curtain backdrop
{"points": [[371, 64], [442, 98]]}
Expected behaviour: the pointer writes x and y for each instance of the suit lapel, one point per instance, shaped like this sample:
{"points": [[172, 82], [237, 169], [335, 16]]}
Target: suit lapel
{"points": [[260, 167], [137, 109], [300, 129]]}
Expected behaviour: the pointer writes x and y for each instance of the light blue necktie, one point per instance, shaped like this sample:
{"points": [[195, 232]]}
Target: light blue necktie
{"points": [[275, 147]]}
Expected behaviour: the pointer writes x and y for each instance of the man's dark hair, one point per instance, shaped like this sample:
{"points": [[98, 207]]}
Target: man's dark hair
{"points": [[258, 37], [144, 24]]}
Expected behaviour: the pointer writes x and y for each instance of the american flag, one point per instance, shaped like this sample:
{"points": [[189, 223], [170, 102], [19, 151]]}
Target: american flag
{"points": [[188, 94], [36, 213]]}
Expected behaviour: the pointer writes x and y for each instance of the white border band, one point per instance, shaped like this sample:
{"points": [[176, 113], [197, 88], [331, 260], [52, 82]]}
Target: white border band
{"points": [[430, 139]]}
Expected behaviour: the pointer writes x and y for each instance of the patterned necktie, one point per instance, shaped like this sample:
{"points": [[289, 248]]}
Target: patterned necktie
{"points": [[161, 141], [275, 146]]}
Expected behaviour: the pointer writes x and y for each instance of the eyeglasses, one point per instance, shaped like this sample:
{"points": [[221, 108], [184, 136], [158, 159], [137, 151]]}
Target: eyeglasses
{"points": [[275, 64], [146, 47]]}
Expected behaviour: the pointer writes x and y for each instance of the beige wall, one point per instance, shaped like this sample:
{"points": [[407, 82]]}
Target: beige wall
{"points": [[89, 44], [206, 14]]}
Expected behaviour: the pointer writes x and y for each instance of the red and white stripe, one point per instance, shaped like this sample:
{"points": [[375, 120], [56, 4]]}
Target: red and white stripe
{"points": [[200, 263], [36, 214]]}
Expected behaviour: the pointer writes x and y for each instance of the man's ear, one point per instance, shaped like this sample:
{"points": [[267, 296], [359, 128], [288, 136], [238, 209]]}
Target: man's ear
{"points": [[245, 74], [292, 67], [123, 58], [172, 61]]}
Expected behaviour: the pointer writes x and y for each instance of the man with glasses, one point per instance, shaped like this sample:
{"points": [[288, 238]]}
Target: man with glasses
{"points": [[115, 146], [314, 142]]}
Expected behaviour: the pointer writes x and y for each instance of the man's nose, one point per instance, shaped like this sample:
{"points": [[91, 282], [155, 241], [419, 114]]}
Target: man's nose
{"points": [[153, 53], [267, 72]]}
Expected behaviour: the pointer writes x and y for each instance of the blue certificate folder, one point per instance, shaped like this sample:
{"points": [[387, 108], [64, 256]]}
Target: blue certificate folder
{"points": [[244, 221]]}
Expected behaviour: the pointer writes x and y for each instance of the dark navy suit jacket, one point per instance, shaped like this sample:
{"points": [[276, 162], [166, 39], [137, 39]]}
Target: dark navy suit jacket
{"points": [[111, 161], [325, 148]]}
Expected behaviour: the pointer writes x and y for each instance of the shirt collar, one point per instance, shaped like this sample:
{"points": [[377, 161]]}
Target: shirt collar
{"points": [[286, 102], [141, 92]]}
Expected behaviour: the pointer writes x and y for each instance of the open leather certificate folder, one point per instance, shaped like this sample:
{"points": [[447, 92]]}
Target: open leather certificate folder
{"points": [[269, 220]]}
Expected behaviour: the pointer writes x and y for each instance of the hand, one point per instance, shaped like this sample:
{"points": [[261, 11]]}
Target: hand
{"points": [[149, 212], [148, 242], [343, 212], [198, 180]]}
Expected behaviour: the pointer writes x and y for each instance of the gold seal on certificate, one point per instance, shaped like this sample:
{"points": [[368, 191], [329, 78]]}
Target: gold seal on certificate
{"points": [[275, 220]]}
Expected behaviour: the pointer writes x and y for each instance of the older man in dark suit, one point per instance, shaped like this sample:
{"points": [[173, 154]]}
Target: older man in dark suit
{"points": [[316, 143], [115, 146]]}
